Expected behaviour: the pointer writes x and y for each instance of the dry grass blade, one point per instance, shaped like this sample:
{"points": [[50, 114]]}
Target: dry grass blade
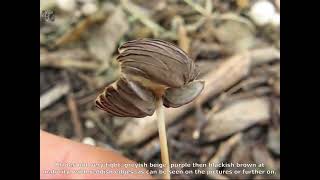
{"points": [[138, 13], [183, 39], [198, 8]]}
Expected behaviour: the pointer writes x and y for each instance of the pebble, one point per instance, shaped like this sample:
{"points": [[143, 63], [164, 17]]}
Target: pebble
{"points": [[89, 141], [262, 12]]}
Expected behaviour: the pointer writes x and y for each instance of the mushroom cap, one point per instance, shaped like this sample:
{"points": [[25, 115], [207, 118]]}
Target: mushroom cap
{"points": [[150, 69], [127, 99], [157, 61]]}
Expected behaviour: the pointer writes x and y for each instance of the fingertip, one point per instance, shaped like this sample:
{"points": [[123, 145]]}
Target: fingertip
{"points": [[57, 152]]}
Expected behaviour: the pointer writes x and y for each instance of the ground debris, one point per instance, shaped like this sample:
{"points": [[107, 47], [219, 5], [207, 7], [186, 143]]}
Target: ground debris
{"points": [[238, 58]]}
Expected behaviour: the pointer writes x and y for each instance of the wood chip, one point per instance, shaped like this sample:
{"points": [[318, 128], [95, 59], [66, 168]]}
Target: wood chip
{"points": [[223, 151], [236, 117], [104, 40], [264, 55], [53, 95]]}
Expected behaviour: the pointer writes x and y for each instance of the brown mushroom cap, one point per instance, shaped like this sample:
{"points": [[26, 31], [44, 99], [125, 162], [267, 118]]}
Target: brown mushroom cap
{"points": [[126, 99], [158, 61], [150, 69]]}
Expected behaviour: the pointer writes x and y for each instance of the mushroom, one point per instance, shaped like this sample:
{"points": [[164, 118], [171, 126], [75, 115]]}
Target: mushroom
{"points": [[153, 73]]}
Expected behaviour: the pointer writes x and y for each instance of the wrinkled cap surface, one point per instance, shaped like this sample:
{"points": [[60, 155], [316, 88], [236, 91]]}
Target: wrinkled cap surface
{"points": [[148, 67], [126, 99], [158, 61]]}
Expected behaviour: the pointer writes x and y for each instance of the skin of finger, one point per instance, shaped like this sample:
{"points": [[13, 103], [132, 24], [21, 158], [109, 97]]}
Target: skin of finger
{"points": [[58, 153]]}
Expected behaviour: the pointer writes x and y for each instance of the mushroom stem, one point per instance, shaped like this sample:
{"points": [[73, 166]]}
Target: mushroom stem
{"points": [[163, 138]]}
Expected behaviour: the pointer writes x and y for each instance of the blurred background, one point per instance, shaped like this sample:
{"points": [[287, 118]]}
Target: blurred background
{"points": [[235, 43]]}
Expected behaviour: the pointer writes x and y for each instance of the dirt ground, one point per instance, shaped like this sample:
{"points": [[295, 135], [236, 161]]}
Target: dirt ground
{"points": [[236, 45]]}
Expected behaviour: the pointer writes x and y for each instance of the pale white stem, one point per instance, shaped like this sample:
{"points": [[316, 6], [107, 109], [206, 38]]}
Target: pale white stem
{"points": [[163, 138]]}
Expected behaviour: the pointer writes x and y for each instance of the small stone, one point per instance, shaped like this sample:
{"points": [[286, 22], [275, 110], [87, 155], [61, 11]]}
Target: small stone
{"points": [[89, 124], [262, 12], [89, 141]]}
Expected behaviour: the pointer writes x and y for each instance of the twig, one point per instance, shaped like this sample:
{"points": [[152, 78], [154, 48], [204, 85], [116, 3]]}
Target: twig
{"points": [[222, 153], [197, 7], [249, 83], [201, 120], [75, 116], [225, 148], [53, 95], [236, 117], [183, 39], [61, 109], [74, 33], [92, 115], [136, 12], [69, 63]]}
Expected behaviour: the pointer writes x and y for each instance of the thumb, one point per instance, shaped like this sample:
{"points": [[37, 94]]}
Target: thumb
{"points": [[59, 158]]}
